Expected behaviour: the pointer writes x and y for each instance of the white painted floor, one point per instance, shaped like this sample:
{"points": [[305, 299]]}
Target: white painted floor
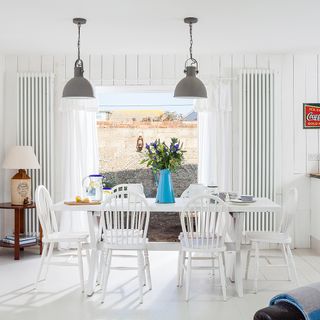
{"points": [[59, 297]]}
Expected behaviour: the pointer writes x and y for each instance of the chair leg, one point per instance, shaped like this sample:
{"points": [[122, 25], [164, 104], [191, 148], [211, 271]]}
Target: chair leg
{"points": [[222, 276], [146, 255], [49, 255], [88, 256], [43, 256], [80, 265], [101, 266], [212, 264], [248, 264], [140, 275], [106, 275], [290, 256], [143, 274], [179, 268], [257, 267], [285, 256], [224, 260], [188, 278], [183, 259]]}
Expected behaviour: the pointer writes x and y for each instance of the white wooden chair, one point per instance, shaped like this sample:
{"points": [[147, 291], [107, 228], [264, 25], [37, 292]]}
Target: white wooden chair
{"points": [[193, 190], [121, 190], [51, 234], [204, 225], [280, 238], [135, 187], [124, 226]]}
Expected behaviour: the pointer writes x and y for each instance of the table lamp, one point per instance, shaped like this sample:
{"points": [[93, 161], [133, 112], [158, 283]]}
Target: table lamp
{"points": [[21, 158]]}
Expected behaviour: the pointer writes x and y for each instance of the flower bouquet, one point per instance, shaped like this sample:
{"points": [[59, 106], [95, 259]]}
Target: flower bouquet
{"points": [[164, 159]]}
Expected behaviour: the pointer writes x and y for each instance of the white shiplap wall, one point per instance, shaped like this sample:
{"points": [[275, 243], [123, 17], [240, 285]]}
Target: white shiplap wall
{"points": [[2, 137], [296, 82]]}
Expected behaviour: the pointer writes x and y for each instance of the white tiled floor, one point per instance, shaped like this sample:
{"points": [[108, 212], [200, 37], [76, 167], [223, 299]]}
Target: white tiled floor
{"points": [[60, 298]]}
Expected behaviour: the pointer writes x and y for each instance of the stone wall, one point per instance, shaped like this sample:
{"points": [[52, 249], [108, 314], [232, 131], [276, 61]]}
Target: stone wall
{"points": [[120, 161]]}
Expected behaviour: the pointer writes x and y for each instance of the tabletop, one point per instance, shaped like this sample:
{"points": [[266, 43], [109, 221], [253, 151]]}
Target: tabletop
{"points": [[261, 204], [9, 205]]}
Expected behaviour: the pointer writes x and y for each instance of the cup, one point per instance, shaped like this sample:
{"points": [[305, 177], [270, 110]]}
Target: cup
{"points": [[246, 197]]}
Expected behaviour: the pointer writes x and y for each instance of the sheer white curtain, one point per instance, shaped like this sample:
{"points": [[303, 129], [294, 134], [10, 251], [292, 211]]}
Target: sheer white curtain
{"points": [[215, 136], [79, 158]]}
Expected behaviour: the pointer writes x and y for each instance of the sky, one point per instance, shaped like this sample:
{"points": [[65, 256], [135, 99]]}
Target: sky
{"points": [[109, 101]]}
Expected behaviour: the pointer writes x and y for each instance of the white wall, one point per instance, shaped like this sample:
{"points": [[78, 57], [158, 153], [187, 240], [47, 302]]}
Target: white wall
{"points": [[296, 82], [315, 212], [299, 84], [2, 137]]}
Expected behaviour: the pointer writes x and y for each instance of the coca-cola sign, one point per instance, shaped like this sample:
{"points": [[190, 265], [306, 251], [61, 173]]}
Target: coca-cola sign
{"points": [[311, 115]]}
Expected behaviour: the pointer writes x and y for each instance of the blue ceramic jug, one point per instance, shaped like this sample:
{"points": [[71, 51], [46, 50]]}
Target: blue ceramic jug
{"points": [[165, 193]]}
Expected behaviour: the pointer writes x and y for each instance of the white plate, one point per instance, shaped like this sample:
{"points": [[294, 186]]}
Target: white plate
{"points": [[239, 201]]}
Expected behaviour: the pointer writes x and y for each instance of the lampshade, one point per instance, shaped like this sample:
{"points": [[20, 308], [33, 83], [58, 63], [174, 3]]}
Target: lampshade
{"points": [[78, 87], [190, 87], [21, 157]]}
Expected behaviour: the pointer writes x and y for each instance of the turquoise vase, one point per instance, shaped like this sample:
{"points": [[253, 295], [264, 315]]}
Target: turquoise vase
{"points": [[165, 193]]}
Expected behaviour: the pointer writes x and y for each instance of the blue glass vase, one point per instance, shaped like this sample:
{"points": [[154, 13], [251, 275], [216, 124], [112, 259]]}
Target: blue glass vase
{"points": [[165, 193]]}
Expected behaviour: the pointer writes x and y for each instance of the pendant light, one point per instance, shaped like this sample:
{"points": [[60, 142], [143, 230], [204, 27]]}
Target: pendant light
{"points": [[78, 87], [190, 87]]}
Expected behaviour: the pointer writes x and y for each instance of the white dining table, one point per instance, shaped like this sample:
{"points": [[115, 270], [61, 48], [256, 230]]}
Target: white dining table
{"points": [[237, 212]]}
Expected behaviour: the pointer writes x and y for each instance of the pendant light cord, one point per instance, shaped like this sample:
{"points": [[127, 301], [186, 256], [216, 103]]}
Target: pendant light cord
{"points": [[191, 40], [79, 26], [191, 59], [79, 62]]}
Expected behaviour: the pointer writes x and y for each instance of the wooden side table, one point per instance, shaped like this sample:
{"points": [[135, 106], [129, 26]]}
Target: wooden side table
{"points": [[19, 228]]}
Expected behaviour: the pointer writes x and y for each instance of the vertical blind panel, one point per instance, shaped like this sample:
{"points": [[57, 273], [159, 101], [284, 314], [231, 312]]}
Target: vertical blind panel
{"points": [[35, 128], [257, 143]]}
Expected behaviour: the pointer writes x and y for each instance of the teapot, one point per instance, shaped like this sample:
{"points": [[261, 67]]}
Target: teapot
{"points": [[92, 186]]}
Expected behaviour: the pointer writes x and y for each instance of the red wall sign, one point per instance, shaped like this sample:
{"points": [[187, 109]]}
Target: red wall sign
{"points": [[311, 115]]}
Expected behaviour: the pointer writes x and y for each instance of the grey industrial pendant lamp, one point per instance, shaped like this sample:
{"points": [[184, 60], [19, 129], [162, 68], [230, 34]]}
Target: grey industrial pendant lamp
{"points": [[190, 87], [78, 87]]}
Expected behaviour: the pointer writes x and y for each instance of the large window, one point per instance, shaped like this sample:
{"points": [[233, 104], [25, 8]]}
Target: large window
{"points": [[129, 117]]}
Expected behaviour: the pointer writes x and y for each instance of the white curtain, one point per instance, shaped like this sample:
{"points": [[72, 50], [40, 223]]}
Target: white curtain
{"points": [[79, 159], [215, 136]]}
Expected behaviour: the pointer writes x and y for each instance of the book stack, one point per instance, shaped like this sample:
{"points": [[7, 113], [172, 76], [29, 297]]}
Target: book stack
{"points": [[22, 239]]}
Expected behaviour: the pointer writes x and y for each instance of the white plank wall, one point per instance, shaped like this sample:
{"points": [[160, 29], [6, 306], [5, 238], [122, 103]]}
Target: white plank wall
{"points": [[2, 138], [296, 82]]}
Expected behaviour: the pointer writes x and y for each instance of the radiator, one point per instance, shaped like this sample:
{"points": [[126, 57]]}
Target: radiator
{"points": [[257, 143], [35, 128]]}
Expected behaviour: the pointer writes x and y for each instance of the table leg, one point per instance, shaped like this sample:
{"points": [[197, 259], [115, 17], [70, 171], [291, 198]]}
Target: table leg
{"points": [[22, 219], [93, 258], [17, 234], [238, 263], [40, 239]]}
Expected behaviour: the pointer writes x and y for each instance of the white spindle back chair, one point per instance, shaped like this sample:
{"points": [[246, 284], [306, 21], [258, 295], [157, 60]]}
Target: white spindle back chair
{"points": [[125, 219], [281, 238], [124, 226], [46, 216], [51, 234], [193, 190], [204, 224]]}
